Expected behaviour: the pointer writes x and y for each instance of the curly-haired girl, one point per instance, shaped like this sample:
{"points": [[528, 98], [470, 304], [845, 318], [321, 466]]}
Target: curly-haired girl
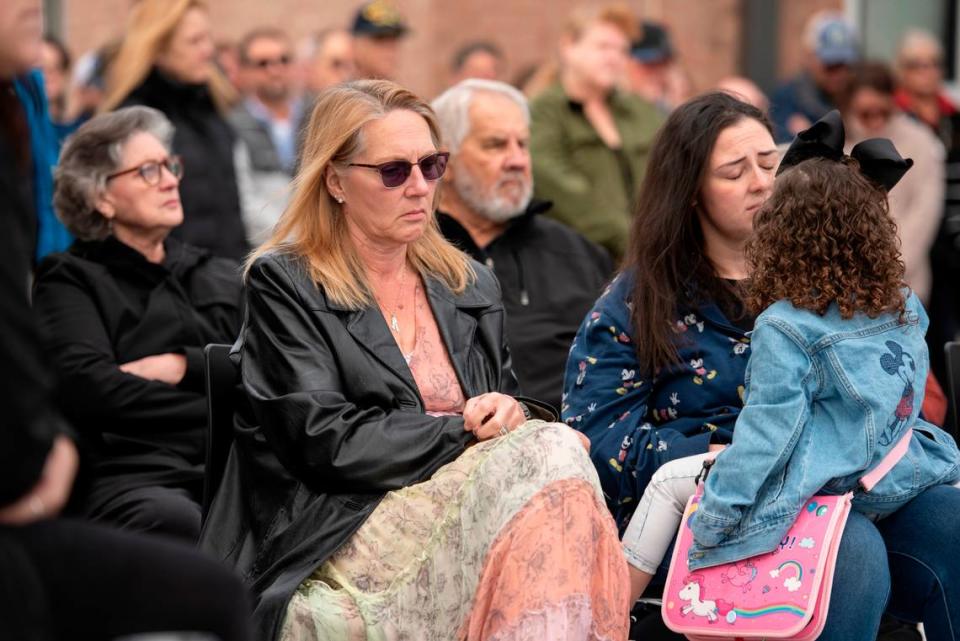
{"points": [[835, 379]]}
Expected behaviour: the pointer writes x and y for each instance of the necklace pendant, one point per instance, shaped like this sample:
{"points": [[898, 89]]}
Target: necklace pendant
{"points": [[394, 325]]}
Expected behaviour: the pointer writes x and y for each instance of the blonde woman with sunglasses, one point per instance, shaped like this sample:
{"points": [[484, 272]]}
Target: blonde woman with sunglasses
{"points": [[390, 482]]}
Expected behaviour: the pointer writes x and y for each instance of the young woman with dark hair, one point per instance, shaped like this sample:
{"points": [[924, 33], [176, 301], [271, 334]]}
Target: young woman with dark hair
{"points": [[654, 371]]}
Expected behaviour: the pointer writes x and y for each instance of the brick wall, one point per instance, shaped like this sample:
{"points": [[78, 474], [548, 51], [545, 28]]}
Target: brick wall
{"points": [[707, 33]]}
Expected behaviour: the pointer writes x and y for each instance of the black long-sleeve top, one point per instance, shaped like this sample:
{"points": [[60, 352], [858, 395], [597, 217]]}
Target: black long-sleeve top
{"points": [[102, 304]]}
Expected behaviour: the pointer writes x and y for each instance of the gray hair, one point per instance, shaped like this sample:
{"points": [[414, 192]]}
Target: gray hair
{"points": [[91, 154], [453, 107], [915, 37]]}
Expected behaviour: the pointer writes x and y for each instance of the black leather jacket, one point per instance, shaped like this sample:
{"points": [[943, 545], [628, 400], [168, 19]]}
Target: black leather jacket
{"points": [[337, 421]]}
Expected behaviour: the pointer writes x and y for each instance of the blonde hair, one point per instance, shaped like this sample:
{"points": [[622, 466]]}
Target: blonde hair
{"points": [[618, 14], [152, 25], [313, 225]]}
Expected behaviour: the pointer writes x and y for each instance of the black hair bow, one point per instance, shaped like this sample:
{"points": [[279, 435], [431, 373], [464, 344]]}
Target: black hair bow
{"points": [[878, 159]]}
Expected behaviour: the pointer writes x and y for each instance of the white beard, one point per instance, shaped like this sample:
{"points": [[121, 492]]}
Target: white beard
{"points": [[491, 205]]}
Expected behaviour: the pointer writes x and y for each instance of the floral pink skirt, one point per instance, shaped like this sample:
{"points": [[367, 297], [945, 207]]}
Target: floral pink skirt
{"points": [[510, 541]]}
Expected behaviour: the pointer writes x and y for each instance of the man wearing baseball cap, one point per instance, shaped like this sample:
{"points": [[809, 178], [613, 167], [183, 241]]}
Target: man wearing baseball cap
{"points": [[831, 47], [654, 73], [377, 30]]}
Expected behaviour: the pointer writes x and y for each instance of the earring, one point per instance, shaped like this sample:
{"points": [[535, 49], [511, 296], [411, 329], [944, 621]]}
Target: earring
{"points": [[340, 200]]}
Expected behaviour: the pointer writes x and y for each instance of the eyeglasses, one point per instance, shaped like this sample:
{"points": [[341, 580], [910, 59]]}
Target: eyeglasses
{"points": [[151, 171], [264, 63], [918, 64], [396, 172]]}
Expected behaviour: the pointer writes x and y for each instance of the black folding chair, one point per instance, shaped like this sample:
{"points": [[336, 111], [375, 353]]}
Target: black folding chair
{"points": [[222, 379], [952, 353]]}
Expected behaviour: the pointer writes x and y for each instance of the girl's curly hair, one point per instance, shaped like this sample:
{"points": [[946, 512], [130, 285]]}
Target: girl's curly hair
{"points": [[826, 236]]}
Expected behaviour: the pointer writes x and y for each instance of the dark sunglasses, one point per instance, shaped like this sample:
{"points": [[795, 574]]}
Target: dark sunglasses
{"points": [[396, 172], [150, 171], [264, 63]]}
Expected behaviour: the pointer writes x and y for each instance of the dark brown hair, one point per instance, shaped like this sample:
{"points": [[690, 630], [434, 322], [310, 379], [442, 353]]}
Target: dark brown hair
{"points": [[666, 251], [826, 236], [873, 75]]}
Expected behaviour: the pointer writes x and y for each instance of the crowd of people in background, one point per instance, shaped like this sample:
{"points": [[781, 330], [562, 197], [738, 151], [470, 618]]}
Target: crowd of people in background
{"points": [[175, 188]]}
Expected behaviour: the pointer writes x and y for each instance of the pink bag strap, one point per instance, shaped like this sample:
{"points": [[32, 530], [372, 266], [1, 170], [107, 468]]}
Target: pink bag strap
{"points": [[871, 478]]}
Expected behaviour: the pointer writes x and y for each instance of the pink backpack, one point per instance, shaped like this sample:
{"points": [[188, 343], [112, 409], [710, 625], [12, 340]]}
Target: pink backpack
{"points": [[784, 594]]}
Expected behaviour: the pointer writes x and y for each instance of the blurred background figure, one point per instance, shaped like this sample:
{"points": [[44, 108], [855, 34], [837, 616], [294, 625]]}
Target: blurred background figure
{"points": [[166, 62], [270, 115], [830, 48], [268, 121], [481, 59], [654, 72], [88, 83], [916, 202], [746, 90], [589, 140], [55, 64], [378, 31], [227, 57], [486, 209], [921, 94], [326, 58], [48, 233]]}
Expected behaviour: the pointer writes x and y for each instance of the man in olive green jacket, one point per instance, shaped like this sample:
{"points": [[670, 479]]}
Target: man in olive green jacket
{"points": [[590, 142]]}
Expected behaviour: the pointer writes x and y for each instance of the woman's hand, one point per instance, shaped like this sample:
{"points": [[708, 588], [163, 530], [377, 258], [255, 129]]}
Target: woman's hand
{"points": [[491, 415], [167, 368], [51, 492]]}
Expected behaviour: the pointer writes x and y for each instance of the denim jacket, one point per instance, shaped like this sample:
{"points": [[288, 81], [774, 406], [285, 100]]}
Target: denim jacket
{"points": [[826, 399], [637, 421]]}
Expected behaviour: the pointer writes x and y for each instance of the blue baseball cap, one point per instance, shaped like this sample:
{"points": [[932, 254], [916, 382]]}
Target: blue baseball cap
{"points": [[835, 42]]}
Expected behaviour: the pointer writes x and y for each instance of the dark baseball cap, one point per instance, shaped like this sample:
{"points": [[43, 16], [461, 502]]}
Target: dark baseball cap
{"points": [[379, 19], [654, 44]]}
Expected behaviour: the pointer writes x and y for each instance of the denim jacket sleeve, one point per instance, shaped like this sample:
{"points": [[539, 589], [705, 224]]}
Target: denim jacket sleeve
{"points": [[606, 397], [779, 392]]}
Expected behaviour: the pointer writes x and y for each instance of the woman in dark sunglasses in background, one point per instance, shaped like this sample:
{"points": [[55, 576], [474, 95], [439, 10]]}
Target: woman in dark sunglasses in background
{"points": [[125, 314], [389, 481]]}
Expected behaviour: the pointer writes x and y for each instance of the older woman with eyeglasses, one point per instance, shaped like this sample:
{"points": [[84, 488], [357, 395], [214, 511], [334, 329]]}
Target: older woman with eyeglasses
{"points": [[389, 481], [125, 314]]}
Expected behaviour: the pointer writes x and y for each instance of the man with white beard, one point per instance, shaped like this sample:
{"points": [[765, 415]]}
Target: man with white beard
{"points": [[550, 275]]}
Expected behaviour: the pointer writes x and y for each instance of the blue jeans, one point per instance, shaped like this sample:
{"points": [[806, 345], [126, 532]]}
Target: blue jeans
{"points": [[916, 551], [923, 549], [861, 583]]}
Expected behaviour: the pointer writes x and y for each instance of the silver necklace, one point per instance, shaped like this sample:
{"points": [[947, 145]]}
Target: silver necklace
{"points": [[394, 324]]}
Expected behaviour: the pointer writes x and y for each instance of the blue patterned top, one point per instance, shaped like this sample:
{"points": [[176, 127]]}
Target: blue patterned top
{"points": [[636, 420]]}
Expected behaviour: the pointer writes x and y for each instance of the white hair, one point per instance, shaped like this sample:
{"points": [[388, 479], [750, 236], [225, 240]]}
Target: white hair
{"points": [[917, 37], [453, 107]]}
